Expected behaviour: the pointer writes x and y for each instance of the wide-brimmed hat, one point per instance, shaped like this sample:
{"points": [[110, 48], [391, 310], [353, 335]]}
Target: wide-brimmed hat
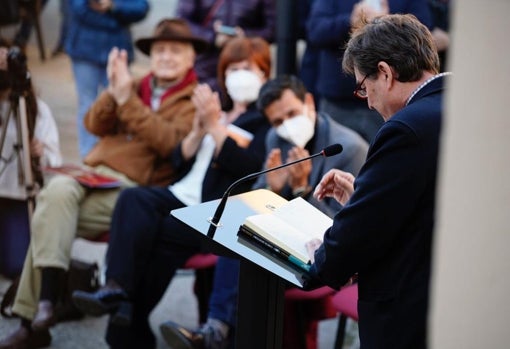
{"points": [[171, 30]]}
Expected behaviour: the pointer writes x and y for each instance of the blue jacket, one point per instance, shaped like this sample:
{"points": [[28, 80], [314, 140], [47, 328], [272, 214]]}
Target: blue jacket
{"points": [[384, 232], [328, 29], [327, 132], [92, 35]]}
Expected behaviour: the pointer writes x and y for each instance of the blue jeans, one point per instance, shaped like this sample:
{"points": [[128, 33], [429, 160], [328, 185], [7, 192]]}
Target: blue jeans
{"points": [[223, 301], [90, 79]]}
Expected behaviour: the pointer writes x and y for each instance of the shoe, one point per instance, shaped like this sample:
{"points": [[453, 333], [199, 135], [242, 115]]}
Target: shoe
{"points": [[45, 316], [106, 300], [23, 338], [178, 337], [122, 316]]}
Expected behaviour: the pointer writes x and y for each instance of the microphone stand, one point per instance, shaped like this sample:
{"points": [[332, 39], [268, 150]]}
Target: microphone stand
{"points": [[215, 219]]}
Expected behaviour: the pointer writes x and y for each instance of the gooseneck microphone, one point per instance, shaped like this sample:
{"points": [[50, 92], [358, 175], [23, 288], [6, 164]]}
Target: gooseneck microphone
{"points": [[331, 150]]}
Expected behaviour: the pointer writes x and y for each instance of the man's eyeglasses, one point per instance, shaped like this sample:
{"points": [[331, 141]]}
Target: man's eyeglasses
{"points": [[361, 91]]}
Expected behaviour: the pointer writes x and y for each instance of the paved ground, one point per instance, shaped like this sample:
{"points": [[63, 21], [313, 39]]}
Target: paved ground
{"points": [[54, 83]]}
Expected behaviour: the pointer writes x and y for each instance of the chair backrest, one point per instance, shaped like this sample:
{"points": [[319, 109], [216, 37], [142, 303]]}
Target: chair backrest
{"points": [[345, 301]]}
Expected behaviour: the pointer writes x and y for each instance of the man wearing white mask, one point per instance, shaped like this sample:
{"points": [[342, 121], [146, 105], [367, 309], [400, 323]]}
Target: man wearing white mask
{"points": [[297, 131]]}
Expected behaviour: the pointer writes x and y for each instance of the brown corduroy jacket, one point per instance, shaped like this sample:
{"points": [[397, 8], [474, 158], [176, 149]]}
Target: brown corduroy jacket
{"points": [[137, 141]]}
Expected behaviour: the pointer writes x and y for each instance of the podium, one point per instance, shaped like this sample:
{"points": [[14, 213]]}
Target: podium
{"points": [[262, 278]]}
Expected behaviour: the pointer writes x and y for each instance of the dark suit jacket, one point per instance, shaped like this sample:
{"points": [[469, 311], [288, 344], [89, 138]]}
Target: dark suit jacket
{"points": [[384, 232]]}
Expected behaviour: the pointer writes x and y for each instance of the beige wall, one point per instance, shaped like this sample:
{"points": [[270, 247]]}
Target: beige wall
{"points": [[471, 280]]}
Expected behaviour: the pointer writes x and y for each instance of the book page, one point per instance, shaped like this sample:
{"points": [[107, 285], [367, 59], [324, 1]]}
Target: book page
{"points": [[280, 233], [291, 226], [304, 217]]}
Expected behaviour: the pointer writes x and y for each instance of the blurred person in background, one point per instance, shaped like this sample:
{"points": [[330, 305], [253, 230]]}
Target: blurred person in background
{"points": [[139, 124], [218, 21], [329, 25], [44, 151], [95, 27]]}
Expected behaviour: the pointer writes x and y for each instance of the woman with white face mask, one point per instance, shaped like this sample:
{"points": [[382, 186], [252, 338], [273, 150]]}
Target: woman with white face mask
{"points": [[222, 147]]}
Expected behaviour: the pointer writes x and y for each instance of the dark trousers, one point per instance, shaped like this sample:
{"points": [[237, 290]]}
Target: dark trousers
{"points": [[146, 247]]}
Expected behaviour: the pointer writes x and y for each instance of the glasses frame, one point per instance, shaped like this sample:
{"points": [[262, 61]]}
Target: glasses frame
{"points": [[360, 91]]}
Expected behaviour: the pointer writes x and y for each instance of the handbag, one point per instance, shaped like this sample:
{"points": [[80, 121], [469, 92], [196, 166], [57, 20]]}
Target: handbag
{"points": [[81, 275]]}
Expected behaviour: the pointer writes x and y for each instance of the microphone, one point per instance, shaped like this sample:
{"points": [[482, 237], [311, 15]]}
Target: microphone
{"points": [[331, 150]]}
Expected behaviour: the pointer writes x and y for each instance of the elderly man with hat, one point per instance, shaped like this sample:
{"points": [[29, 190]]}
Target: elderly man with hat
{"points": [[139, 125]]}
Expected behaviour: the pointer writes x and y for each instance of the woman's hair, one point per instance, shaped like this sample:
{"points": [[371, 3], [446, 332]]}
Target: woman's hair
{"points": [[402, 41], [253, 49]]}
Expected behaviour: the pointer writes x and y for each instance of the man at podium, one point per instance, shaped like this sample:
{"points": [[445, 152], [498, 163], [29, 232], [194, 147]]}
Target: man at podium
{"points": [[384, 231]]}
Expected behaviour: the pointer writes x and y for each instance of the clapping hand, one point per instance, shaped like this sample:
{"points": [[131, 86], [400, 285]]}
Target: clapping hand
{"points": [[119, 77], [300, 171], [276, 179], [208, 106]]}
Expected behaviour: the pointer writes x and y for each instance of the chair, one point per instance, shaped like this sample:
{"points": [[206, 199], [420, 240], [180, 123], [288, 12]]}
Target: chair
{"points": [[302, 313], [345, 302], [202, 264]]}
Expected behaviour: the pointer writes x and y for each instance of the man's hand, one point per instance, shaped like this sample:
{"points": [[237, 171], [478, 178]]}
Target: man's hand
{"points": [[36, 148], [101, 6], [311, 247], [298, 173], [120, 80], [221, 38], [336, 184], [276, 179], [363, 10]]}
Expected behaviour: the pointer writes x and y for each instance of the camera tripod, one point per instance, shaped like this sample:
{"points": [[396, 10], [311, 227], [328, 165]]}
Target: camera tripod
{"points": [[18, 112]]}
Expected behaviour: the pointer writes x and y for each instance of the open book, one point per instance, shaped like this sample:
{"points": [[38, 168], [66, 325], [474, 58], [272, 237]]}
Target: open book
{"points": [[287, 229], [85, 176]]}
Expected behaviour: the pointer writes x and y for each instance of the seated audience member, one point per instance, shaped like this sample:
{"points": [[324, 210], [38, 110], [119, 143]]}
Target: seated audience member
{"points": [[44, 150], [147, 245], [298, 131], [138, 129]]}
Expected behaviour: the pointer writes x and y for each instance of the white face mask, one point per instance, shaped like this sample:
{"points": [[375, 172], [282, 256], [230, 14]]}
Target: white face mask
{"points": [[243, 86], [297, 130]]}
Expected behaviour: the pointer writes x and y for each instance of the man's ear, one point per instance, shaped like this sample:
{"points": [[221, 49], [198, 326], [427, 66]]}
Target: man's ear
{"points": [[309, 101], [387, 73]]}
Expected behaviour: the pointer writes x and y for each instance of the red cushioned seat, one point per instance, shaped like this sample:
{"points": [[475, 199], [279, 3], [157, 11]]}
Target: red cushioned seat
{"points": [[302, 313], [345, 302], [201, 261]]}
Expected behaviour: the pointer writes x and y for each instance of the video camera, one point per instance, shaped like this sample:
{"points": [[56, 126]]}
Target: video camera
{"points": [[17, 71]]}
